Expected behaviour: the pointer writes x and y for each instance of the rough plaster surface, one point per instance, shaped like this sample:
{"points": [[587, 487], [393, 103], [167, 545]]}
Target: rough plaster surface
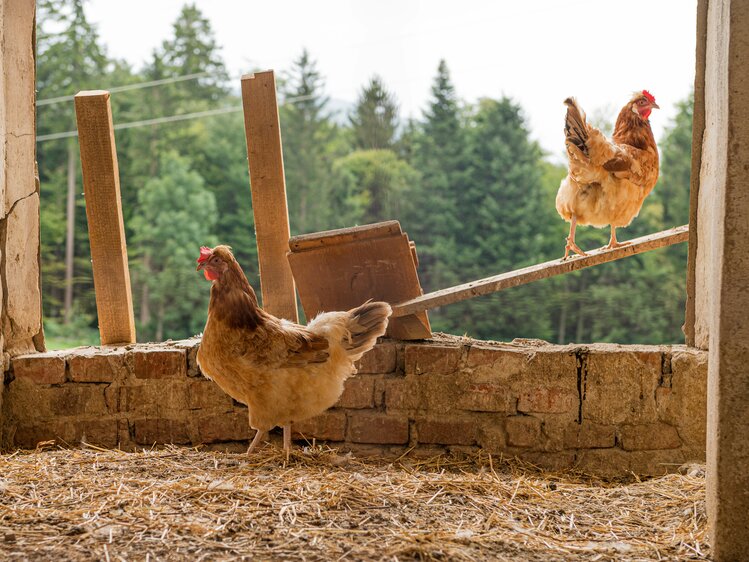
{"points": [[20, 302], [723, 274], [605, 409], [22, 320]]}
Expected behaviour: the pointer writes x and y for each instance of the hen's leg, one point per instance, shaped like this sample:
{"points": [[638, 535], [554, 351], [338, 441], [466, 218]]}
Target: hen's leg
{"points": [[259, 436], [571, 240], [287, 440], [613, 242]]}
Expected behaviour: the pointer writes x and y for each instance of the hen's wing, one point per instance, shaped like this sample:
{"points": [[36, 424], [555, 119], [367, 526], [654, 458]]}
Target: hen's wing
{"points": [[589, 149], [302, 346]]}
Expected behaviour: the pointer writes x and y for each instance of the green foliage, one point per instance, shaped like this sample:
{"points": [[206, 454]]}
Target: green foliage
{"points": [[309, 147], [374, 120], [176, 216], [77, 333], [371, 186], [467, 182]]}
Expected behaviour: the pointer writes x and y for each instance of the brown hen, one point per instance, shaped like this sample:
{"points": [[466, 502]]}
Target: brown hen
{"points": [[607, 180], [282, 371]]}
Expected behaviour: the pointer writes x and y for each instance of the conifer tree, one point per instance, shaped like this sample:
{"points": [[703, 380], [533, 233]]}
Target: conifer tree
{"points": [[439, 156], [502, 214], [374, 121], [307, 146], [166, 228], [70, 59]]}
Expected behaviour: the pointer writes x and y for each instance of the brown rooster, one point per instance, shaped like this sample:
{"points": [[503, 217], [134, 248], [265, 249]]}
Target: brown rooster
{"points": [[607, 180], [282, 371]]}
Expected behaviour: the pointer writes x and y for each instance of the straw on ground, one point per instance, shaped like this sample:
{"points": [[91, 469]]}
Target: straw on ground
{"points": [[180, 503]]}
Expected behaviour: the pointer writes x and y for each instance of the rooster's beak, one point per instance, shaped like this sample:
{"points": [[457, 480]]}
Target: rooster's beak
{"points": [[655, 105]]}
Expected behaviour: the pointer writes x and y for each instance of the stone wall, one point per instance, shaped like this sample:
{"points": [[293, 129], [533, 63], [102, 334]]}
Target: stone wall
{"points": [[605, 409]]}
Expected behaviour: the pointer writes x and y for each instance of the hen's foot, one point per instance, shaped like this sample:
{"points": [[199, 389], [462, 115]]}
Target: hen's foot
{"points": [[613, 244], [259, 436], [571, 246]]}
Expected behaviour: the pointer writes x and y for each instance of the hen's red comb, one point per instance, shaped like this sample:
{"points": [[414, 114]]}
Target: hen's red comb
{"points": [[205, 254], [648, 95]]}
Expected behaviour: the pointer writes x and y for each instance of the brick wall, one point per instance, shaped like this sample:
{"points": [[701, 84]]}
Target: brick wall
{"points": [[606, 409]]}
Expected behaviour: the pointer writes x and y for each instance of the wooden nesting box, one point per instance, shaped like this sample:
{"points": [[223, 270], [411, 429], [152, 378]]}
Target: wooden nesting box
{"points": [[341, 269]]}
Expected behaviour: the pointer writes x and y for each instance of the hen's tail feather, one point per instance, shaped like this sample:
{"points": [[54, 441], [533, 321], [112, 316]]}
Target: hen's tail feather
{"points": [[366, 323], [575, 127]]}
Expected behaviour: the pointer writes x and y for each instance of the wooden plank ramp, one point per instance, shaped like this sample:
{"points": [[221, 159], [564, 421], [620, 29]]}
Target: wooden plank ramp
{"points": [[544, 270]]}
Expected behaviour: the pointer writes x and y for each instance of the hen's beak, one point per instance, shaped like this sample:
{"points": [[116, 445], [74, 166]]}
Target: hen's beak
{"points": [[200, 266], [655, 105]]}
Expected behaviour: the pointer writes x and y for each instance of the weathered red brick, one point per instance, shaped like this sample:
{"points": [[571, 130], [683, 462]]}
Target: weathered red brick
{"points": [[380, 359], [401, 394], [496, 363], [148, 431], [74, 400], [378, 428], [228, 426], [358, 392], [160, 363], [620, 385], [447, 431], [651, 436], [589, 435], [207, 395], [523, 431], [610, 463], [684, 403], [487, 397], [29, 435], [548, 400], [432, 359], [556, 461], [102, 432], [328, 426], [40, 368], [103, 366], [191, 349], [154, 397]]}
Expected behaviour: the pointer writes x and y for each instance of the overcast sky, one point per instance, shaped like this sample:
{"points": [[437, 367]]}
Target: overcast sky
{"points": [[536, 51]]}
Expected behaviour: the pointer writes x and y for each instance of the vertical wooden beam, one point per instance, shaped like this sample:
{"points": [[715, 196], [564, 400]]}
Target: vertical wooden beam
{"points": [[268, 186], [698, 130], [106, 229]]}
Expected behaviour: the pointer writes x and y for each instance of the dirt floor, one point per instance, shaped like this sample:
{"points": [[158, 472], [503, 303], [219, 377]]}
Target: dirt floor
{"points": [[180, 503]]}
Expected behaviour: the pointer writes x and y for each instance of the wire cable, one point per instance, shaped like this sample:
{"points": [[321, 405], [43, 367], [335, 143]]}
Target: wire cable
{"points": [[166, 119]]}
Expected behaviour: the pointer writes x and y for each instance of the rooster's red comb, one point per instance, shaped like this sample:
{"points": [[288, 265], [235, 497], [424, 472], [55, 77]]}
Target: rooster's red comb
{"points": [[648, 95], [205, 254]]}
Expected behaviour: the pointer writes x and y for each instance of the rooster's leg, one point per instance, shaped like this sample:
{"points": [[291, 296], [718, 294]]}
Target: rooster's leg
{"points": [[259, 436], [287, 440], [613, 242], [571, 240]]}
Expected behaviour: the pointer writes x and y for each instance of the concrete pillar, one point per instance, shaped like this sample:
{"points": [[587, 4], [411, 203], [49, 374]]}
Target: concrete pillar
{"points": [[20, 291], [722, 273]]}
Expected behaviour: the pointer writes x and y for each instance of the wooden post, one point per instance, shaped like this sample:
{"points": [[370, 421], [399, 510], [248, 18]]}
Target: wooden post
{"points": [[106, 230], [268, 187]]}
